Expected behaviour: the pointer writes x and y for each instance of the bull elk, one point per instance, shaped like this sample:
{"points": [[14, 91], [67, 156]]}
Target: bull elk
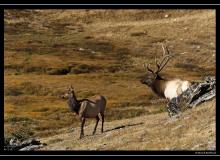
{"points": [[162, 87], [86, 108]]}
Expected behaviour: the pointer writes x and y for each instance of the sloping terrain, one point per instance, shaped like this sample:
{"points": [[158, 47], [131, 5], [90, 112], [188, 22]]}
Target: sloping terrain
{"points": [[103, 52], [194, 130]]}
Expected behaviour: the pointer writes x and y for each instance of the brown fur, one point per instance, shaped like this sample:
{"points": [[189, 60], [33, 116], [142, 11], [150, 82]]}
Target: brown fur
{"points": [[159, 87], [87, 108]]}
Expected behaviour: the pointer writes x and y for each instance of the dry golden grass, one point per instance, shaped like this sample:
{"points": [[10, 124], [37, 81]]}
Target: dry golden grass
{"points": [[102, 56], [152, 132]]}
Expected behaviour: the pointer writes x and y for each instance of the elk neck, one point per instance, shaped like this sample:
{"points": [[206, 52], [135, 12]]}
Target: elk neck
{"points": [[159, 86], [74, 104]]}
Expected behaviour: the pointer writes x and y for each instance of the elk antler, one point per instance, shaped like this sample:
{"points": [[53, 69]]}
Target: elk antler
{"points": [[147, 67], [164, 61]]}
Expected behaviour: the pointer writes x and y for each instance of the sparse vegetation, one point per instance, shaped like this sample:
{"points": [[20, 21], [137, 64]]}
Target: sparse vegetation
{"points": [[20, 134]]}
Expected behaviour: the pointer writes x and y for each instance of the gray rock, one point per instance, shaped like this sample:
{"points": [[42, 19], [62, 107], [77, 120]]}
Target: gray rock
{"points": [[26, 145], [197, 93], [30, 148]]}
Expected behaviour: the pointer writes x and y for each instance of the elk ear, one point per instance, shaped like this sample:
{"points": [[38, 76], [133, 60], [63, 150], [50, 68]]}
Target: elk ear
{"points": [[71, 86]]}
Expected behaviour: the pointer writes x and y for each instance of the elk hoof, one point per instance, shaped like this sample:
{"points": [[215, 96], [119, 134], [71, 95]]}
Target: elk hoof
{"points": [[93, 133], [81, 136]]}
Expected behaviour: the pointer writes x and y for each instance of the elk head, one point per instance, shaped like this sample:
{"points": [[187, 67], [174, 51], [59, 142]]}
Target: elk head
{"points": [[70, 93], [151, 76]]}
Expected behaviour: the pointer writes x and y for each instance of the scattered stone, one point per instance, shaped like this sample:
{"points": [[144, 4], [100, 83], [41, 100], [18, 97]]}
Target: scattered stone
{"points": [[166, 16], [81, 49]]}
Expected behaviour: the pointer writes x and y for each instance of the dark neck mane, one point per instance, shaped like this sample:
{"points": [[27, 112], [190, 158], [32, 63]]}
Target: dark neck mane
{"points": [[159, 78], [74, 104], [159, 86]]}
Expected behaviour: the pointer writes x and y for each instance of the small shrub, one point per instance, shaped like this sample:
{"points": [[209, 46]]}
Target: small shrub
{"points": [[13, 67], [22, 134], [83, 68], [18, 119], [113, 68], [57, 71], [30, 69], [12, 91], [17, 73], [58, 45], [138, 34], [6, 141], [88, 37]]}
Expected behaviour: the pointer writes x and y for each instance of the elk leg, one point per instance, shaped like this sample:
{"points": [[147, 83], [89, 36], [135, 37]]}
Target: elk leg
{"points": [[97, 121], [82, 126], [103, 119]]}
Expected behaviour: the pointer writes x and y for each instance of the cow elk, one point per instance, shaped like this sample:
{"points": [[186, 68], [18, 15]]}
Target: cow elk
{"points": [[162, 87], [86, 108]]}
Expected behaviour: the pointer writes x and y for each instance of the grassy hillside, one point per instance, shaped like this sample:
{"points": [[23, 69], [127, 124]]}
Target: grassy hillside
{"points": [[152, 132], [98, 52]]}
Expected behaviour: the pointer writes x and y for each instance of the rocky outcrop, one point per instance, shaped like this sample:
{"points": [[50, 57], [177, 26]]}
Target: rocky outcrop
{"points": [[26, 145], [197, 93]]}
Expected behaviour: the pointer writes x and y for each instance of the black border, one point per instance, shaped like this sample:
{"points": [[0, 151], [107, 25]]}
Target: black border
{"points": [[108, 153], [109, 6], [110, 2]]}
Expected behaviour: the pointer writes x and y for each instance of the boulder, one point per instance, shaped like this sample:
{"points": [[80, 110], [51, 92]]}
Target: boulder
{"points": [[26, 145], [196, 94]]}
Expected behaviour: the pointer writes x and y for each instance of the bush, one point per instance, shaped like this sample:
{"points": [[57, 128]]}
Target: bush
{"points": [[29, 69], [138, 34], [18, 119], [22, 134], [13, 91], [113, 68], [57, 71], [83, 68]]}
